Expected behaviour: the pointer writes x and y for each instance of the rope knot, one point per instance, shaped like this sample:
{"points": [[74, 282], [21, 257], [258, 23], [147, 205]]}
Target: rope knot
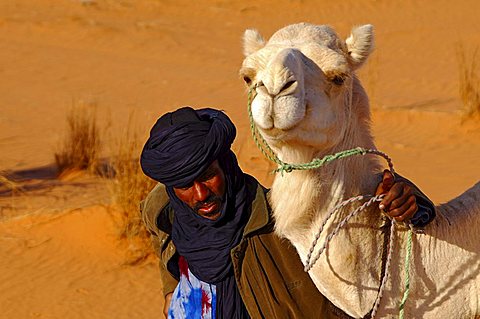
{"points": [[361, 150], [285, 167]]}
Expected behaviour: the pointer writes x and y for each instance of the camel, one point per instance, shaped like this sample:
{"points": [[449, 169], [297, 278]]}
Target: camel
{"points": [[308, 103]]}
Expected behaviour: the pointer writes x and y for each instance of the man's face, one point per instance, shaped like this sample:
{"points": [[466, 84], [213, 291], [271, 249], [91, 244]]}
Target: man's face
{"points": [[205, 194]]}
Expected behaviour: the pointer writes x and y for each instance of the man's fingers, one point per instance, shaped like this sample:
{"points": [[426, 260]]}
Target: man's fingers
{"points": [[388, 180], [166, 305], [395, 192], [405, 210], [408, 214], [402, 208], [386, 183], [399, 201], [405, 200]]}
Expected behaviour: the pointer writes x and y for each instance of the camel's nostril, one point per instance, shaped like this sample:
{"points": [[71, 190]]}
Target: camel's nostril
{"points": [[247, 80]]}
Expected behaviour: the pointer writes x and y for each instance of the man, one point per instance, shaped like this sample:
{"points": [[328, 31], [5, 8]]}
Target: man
{"points": [[213, 231]]}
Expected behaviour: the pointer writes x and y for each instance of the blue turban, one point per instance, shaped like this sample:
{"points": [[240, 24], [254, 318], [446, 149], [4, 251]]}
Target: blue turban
{"points": [[184, 143]]}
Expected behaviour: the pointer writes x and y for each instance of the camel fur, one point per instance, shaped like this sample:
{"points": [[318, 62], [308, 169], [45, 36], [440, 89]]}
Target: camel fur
{"points": [[309, 103]]}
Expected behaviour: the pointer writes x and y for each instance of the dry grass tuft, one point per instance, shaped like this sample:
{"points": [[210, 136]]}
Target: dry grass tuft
{"points": [[9, 186], [6, 182], [469, 81], [129, 187], [81, 146]]}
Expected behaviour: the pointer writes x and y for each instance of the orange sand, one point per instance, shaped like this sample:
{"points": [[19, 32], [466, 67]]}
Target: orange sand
{"points": [[58, 253]]}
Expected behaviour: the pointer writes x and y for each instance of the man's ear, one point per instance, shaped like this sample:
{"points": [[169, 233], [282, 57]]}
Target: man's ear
{"points": [[252, 41], [360, 45]]}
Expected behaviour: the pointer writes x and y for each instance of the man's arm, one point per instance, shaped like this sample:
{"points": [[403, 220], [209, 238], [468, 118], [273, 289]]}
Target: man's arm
{"points": [[151, 208], [169, 282]]}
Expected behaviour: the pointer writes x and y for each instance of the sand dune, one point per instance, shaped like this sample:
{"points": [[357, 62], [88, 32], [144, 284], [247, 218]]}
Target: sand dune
{"points": [[69, 265], [59, 255]]}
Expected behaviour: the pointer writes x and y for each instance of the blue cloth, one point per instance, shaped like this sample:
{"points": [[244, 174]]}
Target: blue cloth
{"points": [[192, 298], [424, 215]]}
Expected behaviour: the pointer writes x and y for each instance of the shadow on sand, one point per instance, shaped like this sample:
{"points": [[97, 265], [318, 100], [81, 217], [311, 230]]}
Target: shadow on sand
{"points": [[46, 177]]}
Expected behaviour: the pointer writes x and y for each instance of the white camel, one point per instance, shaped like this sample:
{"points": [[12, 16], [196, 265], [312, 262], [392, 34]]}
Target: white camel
{"points": [[308, 104]]}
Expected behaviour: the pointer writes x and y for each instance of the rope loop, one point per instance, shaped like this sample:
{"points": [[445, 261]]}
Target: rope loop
{"points": [[284, 168]]}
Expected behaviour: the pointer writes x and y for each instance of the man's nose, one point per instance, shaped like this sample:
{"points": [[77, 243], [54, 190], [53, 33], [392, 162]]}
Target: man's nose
{"points": [[200, 191]]}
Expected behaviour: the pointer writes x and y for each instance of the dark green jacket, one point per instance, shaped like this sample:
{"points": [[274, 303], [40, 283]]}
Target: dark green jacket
{"points": [[268, 270]]}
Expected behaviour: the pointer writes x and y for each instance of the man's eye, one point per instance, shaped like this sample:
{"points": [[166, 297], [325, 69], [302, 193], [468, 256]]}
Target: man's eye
{"points": [[207, 176]]}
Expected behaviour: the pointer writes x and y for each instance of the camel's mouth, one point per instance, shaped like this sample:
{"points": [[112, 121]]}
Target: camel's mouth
{"points": [[274, 127], [281, 129], [275, 133], [284, 133]]}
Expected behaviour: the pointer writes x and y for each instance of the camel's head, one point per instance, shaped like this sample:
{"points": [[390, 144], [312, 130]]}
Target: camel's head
{"points": [[303, 77]]}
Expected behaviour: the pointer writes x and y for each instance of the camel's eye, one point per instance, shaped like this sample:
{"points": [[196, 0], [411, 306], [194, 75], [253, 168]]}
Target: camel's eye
{"points": [[338, 80], [336, 77], [247, 80]]}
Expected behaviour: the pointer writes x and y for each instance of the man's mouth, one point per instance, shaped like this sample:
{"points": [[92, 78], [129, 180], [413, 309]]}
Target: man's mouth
{"points": [[210, 210]]}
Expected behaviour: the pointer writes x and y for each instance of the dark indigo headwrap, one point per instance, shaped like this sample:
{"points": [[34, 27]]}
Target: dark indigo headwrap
{"points": [[184, 143], [181, 146]]}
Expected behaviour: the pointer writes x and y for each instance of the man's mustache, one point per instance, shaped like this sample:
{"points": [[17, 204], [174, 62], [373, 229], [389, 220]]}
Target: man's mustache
{"points": [[210, 200]]}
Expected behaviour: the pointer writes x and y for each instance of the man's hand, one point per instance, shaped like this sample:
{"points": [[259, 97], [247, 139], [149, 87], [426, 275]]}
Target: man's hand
{"points": [[166, 306], [399, 201]]}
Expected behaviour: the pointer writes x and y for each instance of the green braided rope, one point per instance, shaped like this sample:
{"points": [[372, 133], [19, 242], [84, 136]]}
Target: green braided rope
{"points": [[407, 274]]}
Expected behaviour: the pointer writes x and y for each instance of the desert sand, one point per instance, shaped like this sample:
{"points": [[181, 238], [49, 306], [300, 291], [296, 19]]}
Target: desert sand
{"points": [[59, 253]]}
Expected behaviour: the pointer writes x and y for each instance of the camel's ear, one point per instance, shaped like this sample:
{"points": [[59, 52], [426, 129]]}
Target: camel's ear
{"points": [[360, 45], [252, 41]]}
